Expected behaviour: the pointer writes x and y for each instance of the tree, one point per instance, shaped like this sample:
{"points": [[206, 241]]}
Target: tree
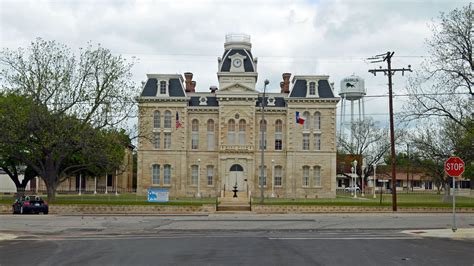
{"points": [[441, 88], [95, 86], [368, 141], [55, 145]]}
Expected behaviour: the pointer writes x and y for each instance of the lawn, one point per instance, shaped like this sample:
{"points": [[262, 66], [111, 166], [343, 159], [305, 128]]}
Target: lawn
{"points": [[342, 199]]}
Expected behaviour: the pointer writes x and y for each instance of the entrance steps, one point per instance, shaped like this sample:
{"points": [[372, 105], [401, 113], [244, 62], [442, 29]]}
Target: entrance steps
{"points": [[228, 203]]}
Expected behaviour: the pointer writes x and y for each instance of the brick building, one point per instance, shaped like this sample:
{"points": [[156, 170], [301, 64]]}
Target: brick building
{"points": [[202, 143]]}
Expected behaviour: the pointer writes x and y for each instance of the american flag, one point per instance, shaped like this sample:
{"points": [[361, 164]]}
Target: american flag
{"points": [[178, 124]]}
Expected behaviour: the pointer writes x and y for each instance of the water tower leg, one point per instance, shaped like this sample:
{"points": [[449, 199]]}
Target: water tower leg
{"points": [[360, 115], [363, 108]]}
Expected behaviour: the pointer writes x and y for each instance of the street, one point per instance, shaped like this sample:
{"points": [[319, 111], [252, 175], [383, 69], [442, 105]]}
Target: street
{"points": [[233, 239]]}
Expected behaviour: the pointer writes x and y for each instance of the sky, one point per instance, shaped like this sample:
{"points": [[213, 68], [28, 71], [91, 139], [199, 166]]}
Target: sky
{"points": [[318, 37]]}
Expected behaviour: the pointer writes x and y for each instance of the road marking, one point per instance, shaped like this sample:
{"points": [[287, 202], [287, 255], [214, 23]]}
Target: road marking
{"points": [[344, 238]]}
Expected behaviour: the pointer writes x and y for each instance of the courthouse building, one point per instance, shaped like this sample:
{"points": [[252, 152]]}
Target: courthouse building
{"points": [[198, 144]]}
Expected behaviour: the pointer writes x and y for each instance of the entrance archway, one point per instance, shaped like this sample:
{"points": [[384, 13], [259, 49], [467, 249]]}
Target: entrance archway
{"points": [[236, 176]]}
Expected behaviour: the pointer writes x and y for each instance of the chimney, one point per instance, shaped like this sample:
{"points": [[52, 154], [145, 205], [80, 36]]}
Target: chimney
{"points": [[213, 89], [189, 81], [285, 85], [193, 86]]}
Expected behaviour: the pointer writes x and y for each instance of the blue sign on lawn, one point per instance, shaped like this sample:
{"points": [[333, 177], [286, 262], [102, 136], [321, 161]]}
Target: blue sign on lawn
{"points": [[158, 195]]}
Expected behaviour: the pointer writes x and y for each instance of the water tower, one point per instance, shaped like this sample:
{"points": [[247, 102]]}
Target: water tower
{"points": [[352, 89]]}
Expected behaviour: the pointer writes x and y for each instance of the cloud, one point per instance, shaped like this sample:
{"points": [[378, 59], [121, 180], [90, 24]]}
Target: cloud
{"points": [[302, 37]]}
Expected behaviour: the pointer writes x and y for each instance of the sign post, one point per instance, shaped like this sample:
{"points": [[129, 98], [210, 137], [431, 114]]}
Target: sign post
{"points": [[454, 167]]}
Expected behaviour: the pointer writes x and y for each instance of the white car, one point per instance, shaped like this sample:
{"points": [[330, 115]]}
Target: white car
{"points": [[351, 189]]}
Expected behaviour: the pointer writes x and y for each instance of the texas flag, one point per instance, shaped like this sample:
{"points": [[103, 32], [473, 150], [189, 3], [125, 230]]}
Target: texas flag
{"points": [[299, 120], [178, 123]]}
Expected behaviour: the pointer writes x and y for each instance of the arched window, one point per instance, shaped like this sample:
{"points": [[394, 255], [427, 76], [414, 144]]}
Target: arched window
{"points": [[167, 119], [155, 175], [210, 175], [307, 122], [194, 174], [278, 176], [195, 134], [317, 121], [312, 88], [263, 128], [231, 132], [317, 176], [242, 126], [156, 119], [317, 142], [305, 176], [210, 134], [278, 135], [167, 175], [162, 87]]}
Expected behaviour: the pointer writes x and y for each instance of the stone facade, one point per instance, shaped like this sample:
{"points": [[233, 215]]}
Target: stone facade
{"points": [[198, 144]]}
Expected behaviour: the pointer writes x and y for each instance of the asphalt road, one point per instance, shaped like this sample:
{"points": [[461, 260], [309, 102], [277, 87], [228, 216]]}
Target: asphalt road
{"points": [[232, 240]]}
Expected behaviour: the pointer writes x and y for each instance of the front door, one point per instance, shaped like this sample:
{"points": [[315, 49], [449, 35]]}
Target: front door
{"points": [[236, 176]]}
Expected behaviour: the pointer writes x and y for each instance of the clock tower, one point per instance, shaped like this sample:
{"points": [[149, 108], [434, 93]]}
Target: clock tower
{"points": [[237, 67]]}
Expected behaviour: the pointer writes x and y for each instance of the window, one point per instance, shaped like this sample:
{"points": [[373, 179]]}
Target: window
{"points": [[317, 176], [306, 141], [307, 122], [162, 87], [278, 176], [260, 176], [156, 119], [312, 88], [167, 119], [167, 175], [278, 135], [305, 176], [231, 131], [194, 174], [167, 142], [317, 121], [242, 132], [210, 175], [156, 140], [317, 142], [195, 134], [210, 134], [155, 180], [263, 128]]}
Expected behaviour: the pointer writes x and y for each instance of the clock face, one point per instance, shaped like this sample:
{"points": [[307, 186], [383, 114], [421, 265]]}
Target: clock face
{"points": [[237, 63]]}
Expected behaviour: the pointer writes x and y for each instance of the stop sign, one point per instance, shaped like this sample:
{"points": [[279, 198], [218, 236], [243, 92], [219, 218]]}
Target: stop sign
{"points": [[454, 166]]}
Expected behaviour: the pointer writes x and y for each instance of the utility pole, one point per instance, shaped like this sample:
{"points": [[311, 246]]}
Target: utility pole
{"points": [[389, 71]]}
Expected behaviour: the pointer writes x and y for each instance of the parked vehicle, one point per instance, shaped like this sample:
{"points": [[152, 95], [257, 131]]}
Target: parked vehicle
{"points": [[30, 204], [351, 189]]}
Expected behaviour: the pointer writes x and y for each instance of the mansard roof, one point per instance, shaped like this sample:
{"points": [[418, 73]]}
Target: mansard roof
{"points": [[300, 87], [175, 86], [248, 66]]}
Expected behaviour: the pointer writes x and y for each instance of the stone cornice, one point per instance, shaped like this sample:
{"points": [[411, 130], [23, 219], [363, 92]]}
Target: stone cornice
{"points": [[312, 100], [161, 99]]}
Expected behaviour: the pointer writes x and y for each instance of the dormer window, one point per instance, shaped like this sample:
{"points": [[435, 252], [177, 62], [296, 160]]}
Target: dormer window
{"points": [[162, 87], [312, 88]]}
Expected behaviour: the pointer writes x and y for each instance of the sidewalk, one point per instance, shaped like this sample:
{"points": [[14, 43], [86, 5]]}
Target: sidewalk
{"points": [[461, 233]]}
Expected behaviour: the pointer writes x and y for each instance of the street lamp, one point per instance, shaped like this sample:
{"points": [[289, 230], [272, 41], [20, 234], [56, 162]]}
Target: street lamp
{"points": [[273, 178], [364, 166], [354, 167], [198, 176], [262, 108]]}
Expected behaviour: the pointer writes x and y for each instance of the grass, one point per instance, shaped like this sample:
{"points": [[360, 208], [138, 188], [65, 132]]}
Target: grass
{"points": [[429, 200], [403, 200], [112, 199]]}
